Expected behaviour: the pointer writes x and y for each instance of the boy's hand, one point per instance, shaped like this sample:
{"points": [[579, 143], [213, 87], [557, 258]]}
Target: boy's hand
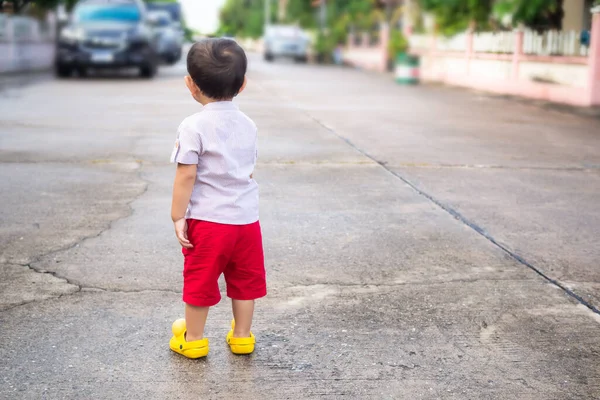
{"points": [[181, 233], [185, 176]]}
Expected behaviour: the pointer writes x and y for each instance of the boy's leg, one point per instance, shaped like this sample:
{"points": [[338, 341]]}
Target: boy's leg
{"points": [[203, 264], [243, 310], [245, 277], [195, 320]]}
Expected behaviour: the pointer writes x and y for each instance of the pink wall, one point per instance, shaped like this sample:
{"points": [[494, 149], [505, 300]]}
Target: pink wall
{"points": [[594, 65], [375, 58], [514, 84], [366, 56]]}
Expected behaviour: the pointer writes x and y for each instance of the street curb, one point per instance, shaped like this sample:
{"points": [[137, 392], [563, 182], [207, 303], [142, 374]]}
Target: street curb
{"points": [[587, 112], [20, 79]]}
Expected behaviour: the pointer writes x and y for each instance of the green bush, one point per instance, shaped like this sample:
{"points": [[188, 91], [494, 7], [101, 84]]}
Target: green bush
{"points": [[324, 46], [398, 44]]}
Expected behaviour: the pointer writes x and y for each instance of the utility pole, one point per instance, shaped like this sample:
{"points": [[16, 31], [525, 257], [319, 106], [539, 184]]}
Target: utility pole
{"points": [[267, 13], [282, 8], [323, 15], [388, 10]]}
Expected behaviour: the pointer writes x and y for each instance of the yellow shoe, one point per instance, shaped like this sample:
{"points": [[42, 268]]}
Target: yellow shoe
{"points": [[195, 349], [240, 345]]}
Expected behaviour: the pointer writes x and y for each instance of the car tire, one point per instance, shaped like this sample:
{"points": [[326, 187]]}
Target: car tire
{"points": [[268, 57], [148, 71], [82, 72], [301, 59], [62, 71], [173, 59], [177, 56]]}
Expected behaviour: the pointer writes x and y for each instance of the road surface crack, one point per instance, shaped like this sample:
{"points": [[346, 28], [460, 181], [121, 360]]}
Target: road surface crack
{"points": [[464, 220], [92, 289], [108, 226]]}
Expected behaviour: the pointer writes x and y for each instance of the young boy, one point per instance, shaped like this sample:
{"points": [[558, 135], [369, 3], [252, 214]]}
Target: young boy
{"points": [[215, 200]]}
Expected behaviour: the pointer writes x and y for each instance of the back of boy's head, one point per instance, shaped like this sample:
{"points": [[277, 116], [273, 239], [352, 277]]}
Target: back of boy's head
{"points": [[218, 67]]}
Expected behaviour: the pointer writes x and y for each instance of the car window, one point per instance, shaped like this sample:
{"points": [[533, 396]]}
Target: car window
{"points": [[284, 31], [107, 12], [162, 18]]}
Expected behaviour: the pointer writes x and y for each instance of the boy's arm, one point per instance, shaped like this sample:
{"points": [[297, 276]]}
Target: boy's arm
{"points": [[185, 177]]}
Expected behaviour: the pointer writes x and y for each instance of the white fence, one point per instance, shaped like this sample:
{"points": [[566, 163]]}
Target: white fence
{"points": [[26, 44], [26, 29], [554, 43], [454, 43], [550, 43], [494, 42], [420, 41]]}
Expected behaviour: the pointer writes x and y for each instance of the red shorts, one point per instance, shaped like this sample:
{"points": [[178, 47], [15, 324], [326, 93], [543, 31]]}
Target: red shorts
{"points": [[233, 250]]}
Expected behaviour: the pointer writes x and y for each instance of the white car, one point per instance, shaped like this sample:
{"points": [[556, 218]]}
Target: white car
{"points": [[286, 41]]}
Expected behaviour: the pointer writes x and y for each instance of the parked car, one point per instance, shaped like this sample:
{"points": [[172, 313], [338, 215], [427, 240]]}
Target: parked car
{"points": [[107, 34], [173, 8], [169, 36], [285, 41]]}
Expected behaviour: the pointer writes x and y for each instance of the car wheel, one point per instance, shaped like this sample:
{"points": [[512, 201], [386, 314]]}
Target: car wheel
{"points": [[62, 71], [82, 72], [148, 71], [177, 57], [268, 57], [301, 59], [173, 59]]}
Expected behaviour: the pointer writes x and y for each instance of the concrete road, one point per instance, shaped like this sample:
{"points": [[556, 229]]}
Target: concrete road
{"points": [[421, 243]]}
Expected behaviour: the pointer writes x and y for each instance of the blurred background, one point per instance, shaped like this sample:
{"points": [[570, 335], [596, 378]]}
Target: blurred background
{"points": [[369, 34], [493, 45]]}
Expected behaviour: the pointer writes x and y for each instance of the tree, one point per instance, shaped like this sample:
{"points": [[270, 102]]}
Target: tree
{"points": [[535, 14], [19, 5], [455, 16], [302, 13], [242, 18]]}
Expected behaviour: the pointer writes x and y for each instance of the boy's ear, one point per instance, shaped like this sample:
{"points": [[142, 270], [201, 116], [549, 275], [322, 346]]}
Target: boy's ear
{"points": [[243, 85], [191, 85]]}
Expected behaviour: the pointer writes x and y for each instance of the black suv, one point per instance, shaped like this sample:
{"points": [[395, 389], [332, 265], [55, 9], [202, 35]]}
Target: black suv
{"points": [[107, 34]]}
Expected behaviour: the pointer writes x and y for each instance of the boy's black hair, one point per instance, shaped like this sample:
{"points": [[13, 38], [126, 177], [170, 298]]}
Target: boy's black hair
{"points": [[218, 67]]}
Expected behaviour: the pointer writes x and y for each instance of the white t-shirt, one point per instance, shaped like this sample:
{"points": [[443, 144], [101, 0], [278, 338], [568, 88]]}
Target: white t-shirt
{"points": [[221, 140]]}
